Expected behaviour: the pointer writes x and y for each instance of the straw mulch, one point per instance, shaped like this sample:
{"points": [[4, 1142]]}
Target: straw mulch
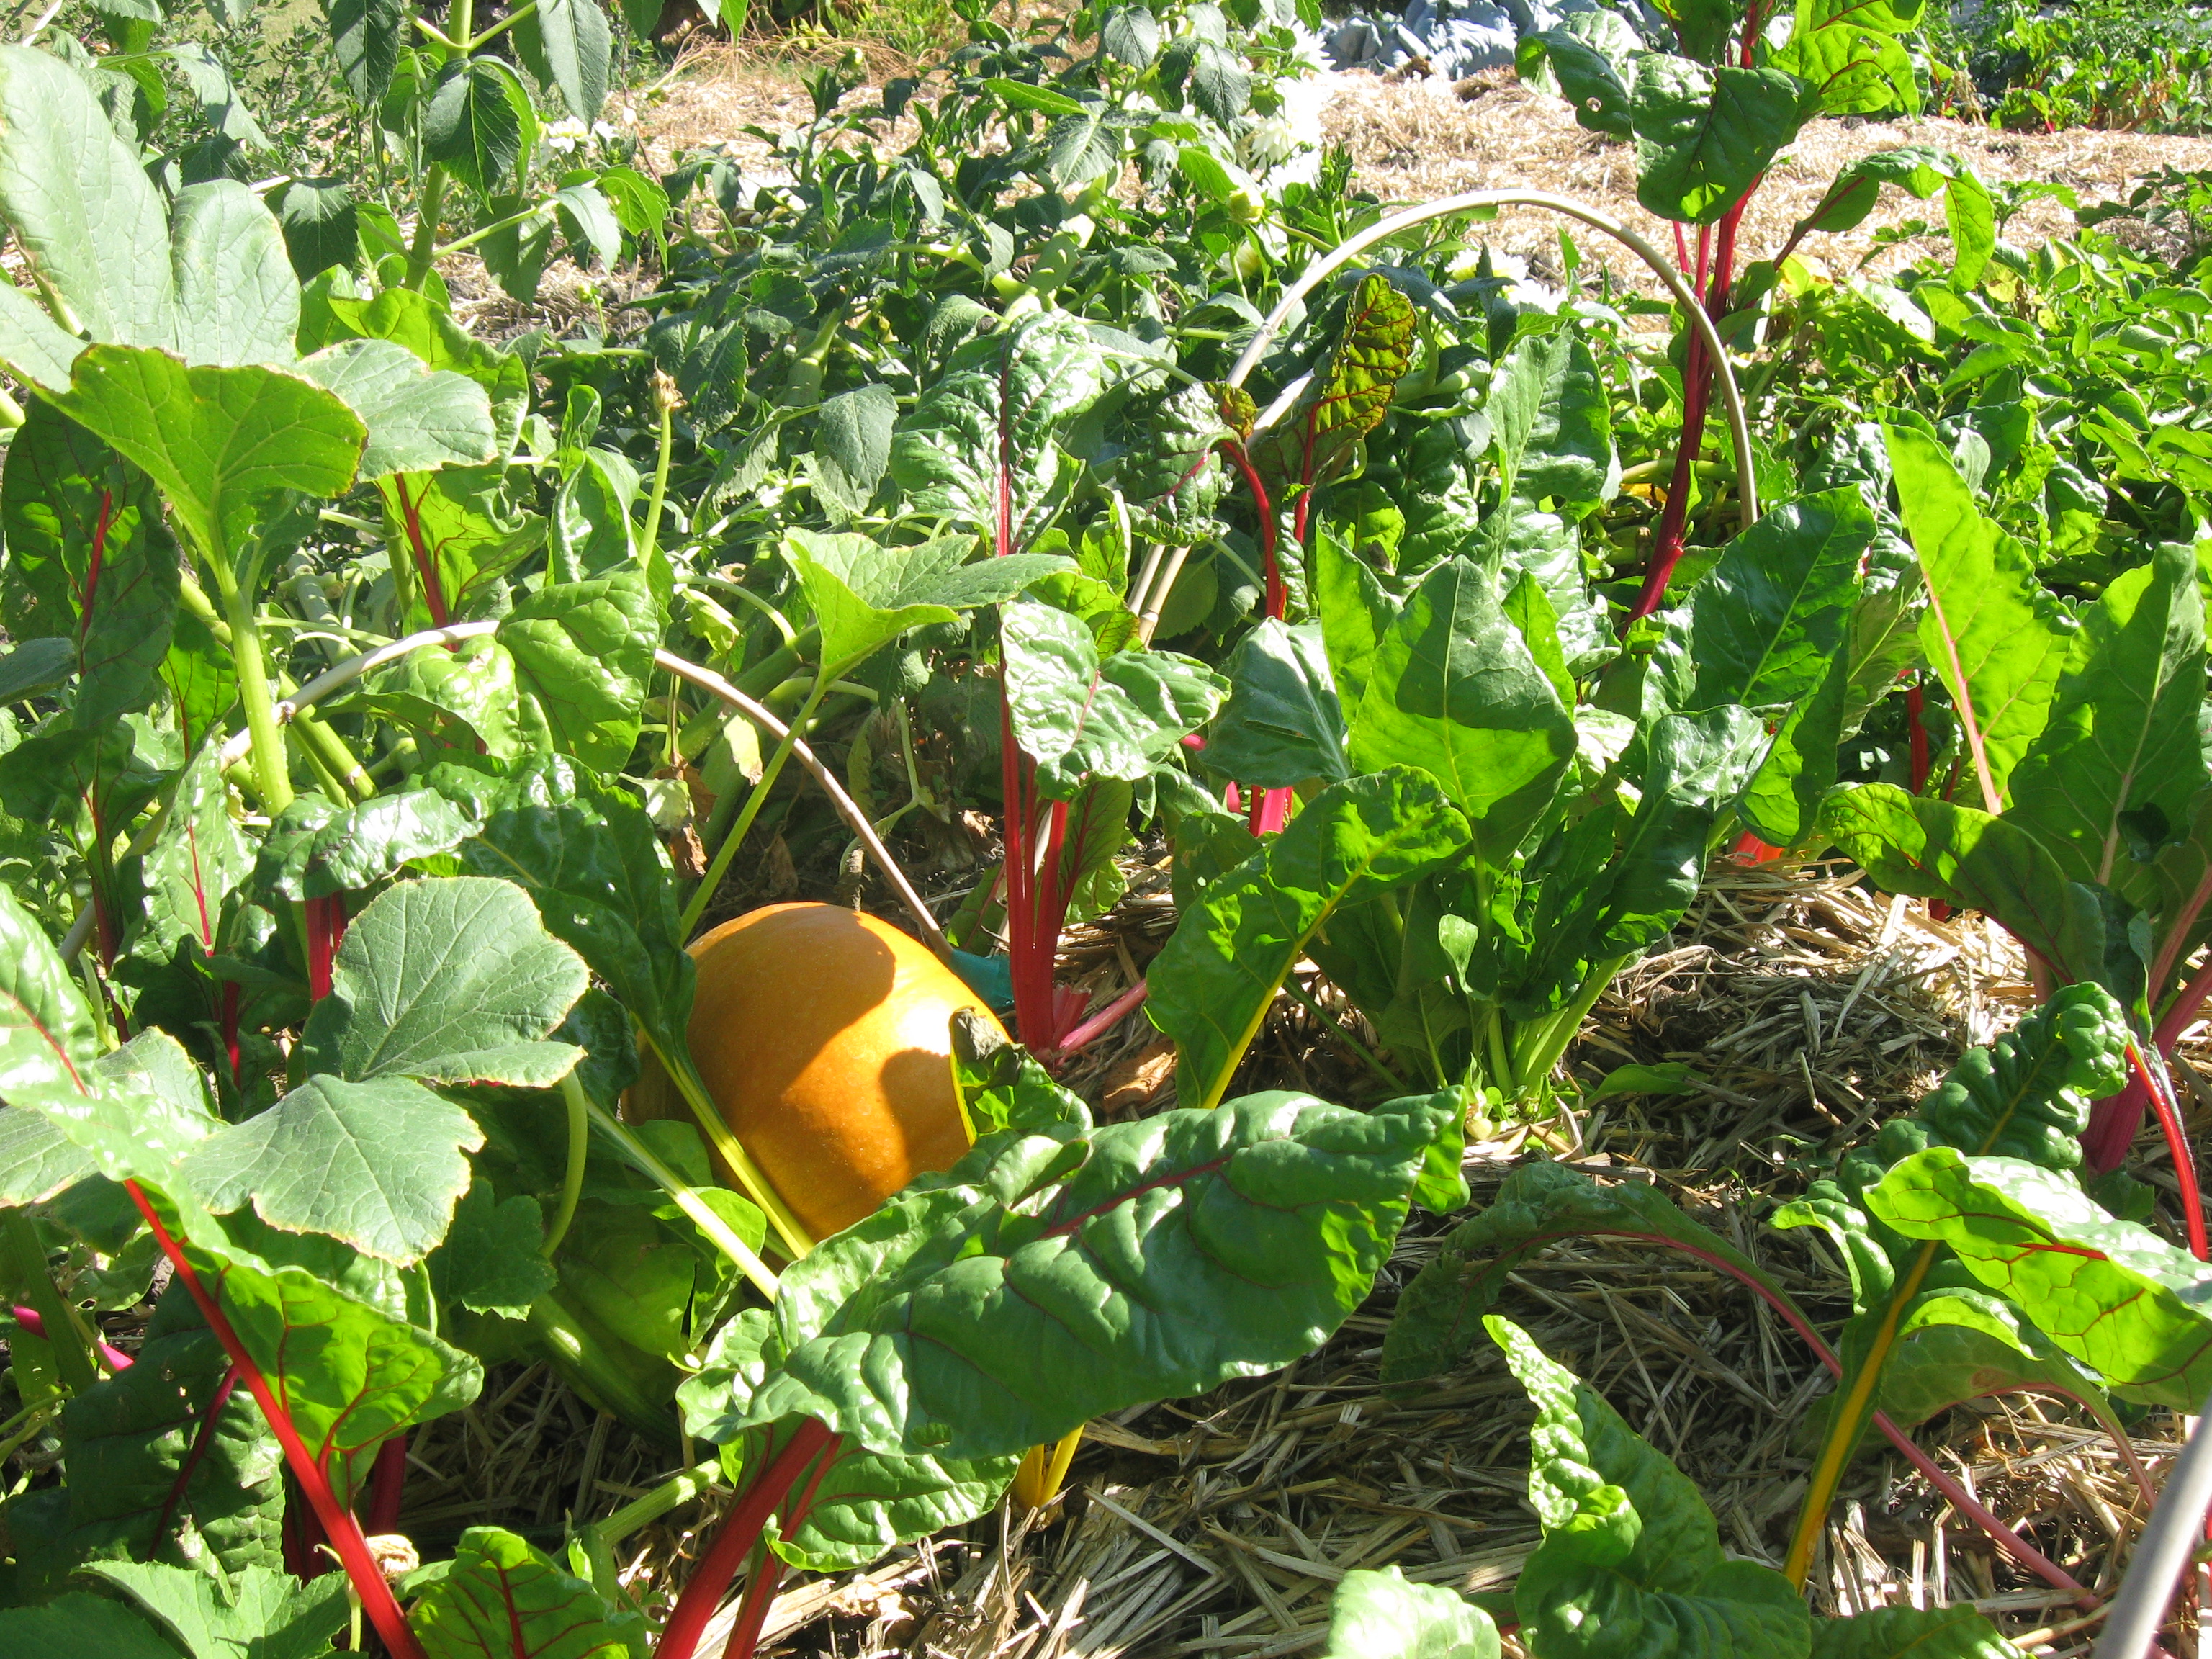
{"points": [[1813, 1008]]}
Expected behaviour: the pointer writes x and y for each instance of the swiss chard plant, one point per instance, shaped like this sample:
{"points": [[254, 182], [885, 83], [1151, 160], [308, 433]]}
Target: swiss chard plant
{"points": [[1630, 1562], [2072, 810], [1707, 113], [1979, 1263]]}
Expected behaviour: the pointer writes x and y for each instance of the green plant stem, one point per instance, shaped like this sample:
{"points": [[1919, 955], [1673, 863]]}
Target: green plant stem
{"points": [[702, 1214], [26, 1265], [1540, 1045], [336, 754], [650, 540], [424, 250], [579, 1106], [461, 243], [272, 775], [476, 42], [712, 881], [757, 1186], [1845, 1420], [578, 1350], [1304, 999], [666, 1498]]}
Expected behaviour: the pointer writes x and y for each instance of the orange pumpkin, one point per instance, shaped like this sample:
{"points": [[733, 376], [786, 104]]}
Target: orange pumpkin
{"points": [[825, 1036]]}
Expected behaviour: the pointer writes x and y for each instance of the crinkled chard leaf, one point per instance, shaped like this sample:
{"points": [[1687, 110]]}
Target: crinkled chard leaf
{"points": [[1952, 1633], [1080, 716], [499, 1595], [981, 447], [1630, 1564], [1048, 1278], [2108, 1293], [1214, 984], [864, 1502], [1379, 1615], [316, 849], [66, 500]]}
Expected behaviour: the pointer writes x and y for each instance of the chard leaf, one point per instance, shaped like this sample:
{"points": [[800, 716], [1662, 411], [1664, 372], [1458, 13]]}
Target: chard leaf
{"points": [[981, 447], [377, 1165], [1453, 689], [1046, 1279], [1933, 848], [1440, 1312], [37, 1160], [47, 1038], [1763, 626], [1282, 725], [1957, 1345], [865, 1502], [197, 861], [216, 440], [2026, 1096], [2122, 740], [1356, 614], [330, 1332], [316, 850], [63, 495], [1348, 398], [1952, 1633], [501, 1595], [1174, 478], [1630, 1564], [2108, 1293], [1695, 767], [1379, 1615], [136, 1111], [1079, 716], [1214, 984], [138, 1488], [1993, 635], [583, 651], [452, 980], [1705, 136]]}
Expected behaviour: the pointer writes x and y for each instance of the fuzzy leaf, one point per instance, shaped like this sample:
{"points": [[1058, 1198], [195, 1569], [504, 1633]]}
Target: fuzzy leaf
{"points": [[376, 1164], [452, 980]]}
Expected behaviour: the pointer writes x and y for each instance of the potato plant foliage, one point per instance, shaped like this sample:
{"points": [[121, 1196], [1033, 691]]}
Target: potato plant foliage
{"points": [[387, 705]]}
